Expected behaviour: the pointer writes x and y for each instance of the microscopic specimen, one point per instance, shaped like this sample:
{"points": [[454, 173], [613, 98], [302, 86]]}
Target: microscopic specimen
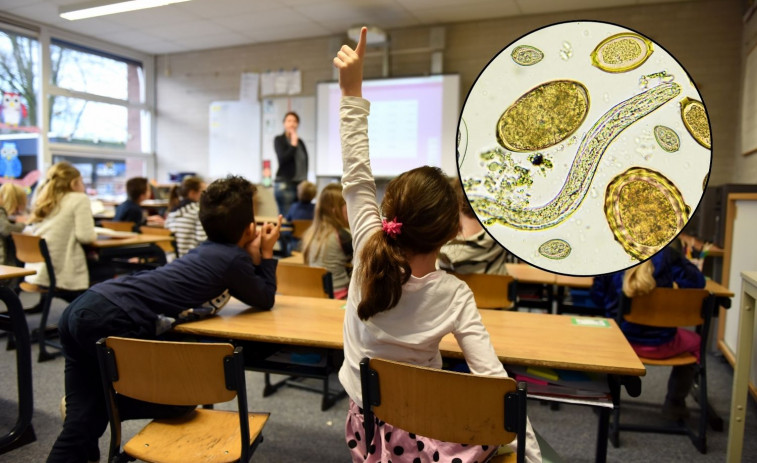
{"points": [[526, 55], [555, 249], [667, 138], [644, 210], [493, 209], [544, 116], [621, 52], [695, 119]]}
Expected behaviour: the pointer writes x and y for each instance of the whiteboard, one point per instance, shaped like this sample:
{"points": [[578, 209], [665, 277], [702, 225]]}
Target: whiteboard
{"points": [[274, 110], [742, 255], [234, 140]]}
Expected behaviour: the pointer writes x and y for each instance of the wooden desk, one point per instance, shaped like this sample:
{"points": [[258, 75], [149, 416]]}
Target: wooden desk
{"points": [[518, 338], [529, 274], [154, 203], [15, 321], [742, 366], [297, 258], [136, 240]]}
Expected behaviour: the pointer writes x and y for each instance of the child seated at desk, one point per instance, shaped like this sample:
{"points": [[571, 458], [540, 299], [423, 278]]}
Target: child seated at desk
{"points": [[12, 204], [472, 250], [664, 269], [236, 258], [328, 242], [399, 306], [184, 220], [130, 210], [63, 217], [303, 208]]}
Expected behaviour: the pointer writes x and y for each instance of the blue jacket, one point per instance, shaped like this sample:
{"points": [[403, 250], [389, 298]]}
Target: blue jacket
{"points": [[301, 211], [130, 211], [669, 267]]}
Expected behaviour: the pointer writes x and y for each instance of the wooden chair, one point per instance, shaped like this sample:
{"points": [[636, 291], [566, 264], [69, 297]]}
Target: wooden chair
{"points": [[167, 246], [299, 227], [673, 308], [304, 281], [491, 291], [179, 373], [443, 405], [32, 249], [117, 226]]}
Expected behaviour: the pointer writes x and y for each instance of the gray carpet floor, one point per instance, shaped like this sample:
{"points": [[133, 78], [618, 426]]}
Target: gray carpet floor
{"points": [[299, 431]]}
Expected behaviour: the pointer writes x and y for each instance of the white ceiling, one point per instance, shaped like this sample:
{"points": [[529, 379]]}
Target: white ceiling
{"points": [[204, 24]]}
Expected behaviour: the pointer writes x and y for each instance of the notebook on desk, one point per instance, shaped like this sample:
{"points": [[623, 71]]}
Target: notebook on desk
{"points": [[107, 233]]}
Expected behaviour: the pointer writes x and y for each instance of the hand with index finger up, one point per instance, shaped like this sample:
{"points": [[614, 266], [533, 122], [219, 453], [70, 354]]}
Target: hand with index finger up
{"points": [[350, 65]]}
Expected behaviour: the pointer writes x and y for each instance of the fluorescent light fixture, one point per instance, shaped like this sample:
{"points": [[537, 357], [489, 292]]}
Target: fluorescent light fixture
{"points": [[106, 7]]}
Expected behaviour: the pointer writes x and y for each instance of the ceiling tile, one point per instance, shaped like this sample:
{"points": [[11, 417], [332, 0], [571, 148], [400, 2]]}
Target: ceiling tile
{"points": [[464, 12], [188, 29], [546, 6], [152, 17], [215, 8]]}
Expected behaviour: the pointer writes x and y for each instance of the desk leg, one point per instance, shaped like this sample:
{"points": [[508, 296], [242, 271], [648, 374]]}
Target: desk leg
{"points": [[741, 372], [22, 433]]}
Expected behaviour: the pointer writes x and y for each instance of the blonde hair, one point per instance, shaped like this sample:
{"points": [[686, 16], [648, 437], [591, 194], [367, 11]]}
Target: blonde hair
{"points": [[424, 202], [639, 280], [57, 184], [306, 191], [328, 219], [12, 198]]}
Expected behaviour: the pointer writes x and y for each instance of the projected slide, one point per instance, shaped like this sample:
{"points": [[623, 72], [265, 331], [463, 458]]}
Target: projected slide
{"points": [[413, 122]]}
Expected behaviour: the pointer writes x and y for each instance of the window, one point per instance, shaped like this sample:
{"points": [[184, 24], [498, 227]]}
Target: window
{"points": [[19, 86], [97, 99]]}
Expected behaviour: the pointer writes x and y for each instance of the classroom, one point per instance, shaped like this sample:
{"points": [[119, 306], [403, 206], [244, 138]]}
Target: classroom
{"points": [[150, 107]]}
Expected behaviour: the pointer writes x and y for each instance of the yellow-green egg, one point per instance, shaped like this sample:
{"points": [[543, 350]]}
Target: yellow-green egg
{"points": [[544, 116], [621, 52]]}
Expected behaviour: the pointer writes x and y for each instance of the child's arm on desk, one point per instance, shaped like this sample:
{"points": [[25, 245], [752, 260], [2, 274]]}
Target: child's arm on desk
{"points": [[257, 286]]}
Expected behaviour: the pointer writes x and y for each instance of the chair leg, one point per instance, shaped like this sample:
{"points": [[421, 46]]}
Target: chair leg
{"points": [[615, 427], [44, 354]]}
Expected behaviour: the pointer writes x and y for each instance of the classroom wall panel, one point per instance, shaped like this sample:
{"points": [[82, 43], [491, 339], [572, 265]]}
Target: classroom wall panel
{"points": [[705, 35], [745, 167]]}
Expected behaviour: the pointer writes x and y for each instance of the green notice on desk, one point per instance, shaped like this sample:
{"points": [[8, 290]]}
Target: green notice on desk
{"points": [[601, 322]]}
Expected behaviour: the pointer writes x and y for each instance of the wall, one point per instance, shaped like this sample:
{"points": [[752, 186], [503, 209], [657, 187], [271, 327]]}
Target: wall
{"points": [[705, 36], [745, 167]]}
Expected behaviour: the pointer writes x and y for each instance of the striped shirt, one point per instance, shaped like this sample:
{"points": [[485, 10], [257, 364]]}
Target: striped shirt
{"points": [[184, 222], [475, 254]]}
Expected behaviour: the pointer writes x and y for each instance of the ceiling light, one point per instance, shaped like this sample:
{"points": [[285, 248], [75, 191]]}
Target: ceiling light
{"points": [[104, 7]]}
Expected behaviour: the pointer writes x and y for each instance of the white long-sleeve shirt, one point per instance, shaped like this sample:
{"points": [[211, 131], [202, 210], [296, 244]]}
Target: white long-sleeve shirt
{"points": [[67, 227], [430, 307]]}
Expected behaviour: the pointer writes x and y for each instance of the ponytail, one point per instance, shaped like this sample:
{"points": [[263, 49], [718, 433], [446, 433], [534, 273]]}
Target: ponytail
{"points": [[639, 280], [382, 272]]}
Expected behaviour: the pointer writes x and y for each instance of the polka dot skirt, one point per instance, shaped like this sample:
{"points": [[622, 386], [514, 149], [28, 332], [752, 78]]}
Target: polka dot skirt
{"points": [[395, 445]]}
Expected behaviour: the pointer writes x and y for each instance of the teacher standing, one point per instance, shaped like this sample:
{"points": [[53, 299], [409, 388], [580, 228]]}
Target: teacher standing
{"points": [[293, 162]]}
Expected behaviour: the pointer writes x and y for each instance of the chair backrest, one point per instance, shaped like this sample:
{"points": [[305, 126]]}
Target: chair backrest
{"points": [[491, 291], [444, 405], [303, 280], [117, 226], [299, 227], [172, 373], [167, 246], [27, 248], [668, 307]]}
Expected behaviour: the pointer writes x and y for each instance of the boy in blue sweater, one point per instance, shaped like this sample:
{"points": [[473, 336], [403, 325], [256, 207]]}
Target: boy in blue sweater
{"points": [[236, 258]]}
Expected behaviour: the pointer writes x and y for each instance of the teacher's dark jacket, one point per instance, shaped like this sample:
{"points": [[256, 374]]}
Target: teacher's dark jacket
{"points": [[287, 155]]}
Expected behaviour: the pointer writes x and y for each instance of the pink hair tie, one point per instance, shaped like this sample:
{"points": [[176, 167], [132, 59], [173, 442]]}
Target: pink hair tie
{"points": [[392, 228]]}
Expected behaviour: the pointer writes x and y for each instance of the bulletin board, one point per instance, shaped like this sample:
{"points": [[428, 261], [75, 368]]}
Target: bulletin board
{"points": [[273, 111], [740, 255]]}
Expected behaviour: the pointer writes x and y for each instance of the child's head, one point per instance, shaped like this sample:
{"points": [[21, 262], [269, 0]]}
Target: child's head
{"points": [[639, 280], [226, 209], [61, 178], [191, 188], [13, 198], [136, 187], [329, 216], [306, 191], [465, 207], [425, 204]]}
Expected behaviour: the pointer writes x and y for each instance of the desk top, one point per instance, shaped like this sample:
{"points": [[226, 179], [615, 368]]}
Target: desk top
{"points": [[156, 203], [585, 282], [130, 241], [519, 338], [530, 274], [7, 272]]}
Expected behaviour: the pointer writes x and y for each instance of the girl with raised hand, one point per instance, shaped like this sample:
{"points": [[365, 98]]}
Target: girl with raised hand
{"points": [[399, 306]]}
